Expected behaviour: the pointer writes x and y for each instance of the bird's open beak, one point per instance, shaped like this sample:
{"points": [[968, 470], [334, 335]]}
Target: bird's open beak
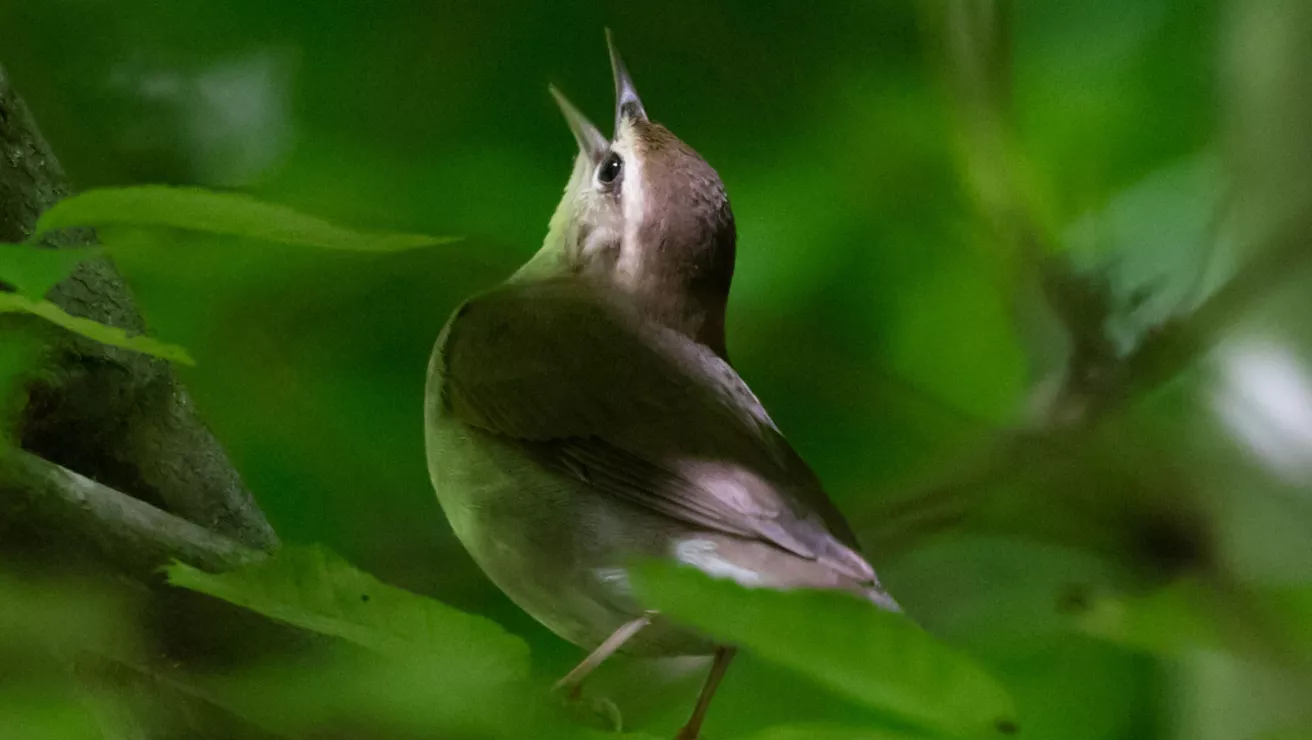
{"points": [[591, 142], [627, 104], [628, 107]]}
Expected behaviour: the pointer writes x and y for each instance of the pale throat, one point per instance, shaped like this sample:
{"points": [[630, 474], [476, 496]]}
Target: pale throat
{"points": [[660, 291]]}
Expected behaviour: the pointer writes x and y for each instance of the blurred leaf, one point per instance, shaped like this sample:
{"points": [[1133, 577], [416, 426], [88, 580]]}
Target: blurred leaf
{"points": [[371, 693], [953, 317], [1071, 687], [231, 214], [1165, 622], [48, 627], [1225, 695], [318, 591], [974, 588], [1302, 732], [820, 731], [35, 715], [1291, 610], [35, 270], [871, 655], [1156, 244], [19, 353], [113, 336], [65, 616]]}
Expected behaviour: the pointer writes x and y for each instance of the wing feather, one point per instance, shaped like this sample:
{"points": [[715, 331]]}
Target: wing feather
{"points": [[637, 411]]}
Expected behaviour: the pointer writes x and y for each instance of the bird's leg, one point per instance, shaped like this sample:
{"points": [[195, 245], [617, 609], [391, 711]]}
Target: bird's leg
{"points": [[691, 730], [574, 678]]}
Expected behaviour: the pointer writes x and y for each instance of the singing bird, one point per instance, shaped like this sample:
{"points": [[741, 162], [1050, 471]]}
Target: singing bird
{"points": [[584, 413]]}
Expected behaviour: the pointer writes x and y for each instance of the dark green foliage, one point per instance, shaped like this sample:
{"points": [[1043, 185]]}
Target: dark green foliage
{"points": [[1026, 283]]}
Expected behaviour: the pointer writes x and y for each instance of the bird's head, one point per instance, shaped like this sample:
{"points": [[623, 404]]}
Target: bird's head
{"points": [[644, 213]]}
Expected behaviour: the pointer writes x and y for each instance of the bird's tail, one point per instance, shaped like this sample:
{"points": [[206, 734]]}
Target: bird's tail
{"points": [[879, 597]]}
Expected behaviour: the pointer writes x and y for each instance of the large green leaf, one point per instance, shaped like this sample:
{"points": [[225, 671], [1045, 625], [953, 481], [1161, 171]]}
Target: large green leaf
{"points": [[412, 696], [318, 591], [231, 214], [16, 303], [873, 656], [35, 270]]}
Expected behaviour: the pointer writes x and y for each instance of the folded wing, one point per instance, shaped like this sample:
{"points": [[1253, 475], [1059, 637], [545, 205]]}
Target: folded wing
{"points": [[639, 412]]}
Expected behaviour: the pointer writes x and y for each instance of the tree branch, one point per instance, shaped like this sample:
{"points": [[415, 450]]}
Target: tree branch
{"points": [[131, 534], [113, 415], [1097, 381]]}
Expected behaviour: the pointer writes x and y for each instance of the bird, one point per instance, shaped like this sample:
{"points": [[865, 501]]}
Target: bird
{"points": [[584, 415]]}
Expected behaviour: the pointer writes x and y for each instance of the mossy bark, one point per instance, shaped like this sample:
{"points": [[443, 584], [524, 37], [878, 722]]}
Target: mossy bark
{"points": [[118, 417]]}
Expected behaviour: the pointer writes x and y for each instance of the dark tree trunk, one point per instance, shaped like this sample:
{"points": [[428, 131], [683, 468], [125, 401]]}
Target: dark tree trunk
{"points": [[163, 486], [116, 416]]}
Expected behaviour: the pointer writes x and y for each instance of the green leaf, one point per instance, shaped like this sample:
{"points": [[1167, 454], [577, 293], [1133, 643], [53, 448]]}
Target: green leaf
{"points": [[64, 616], [1289, 611], [1188, 616], [1299, 732], [1156, 245], [414, 696], [824, 731], [316, 590], [1166, 622], [873, 656], [113, 336], [20, 353], [230, 214], [35, 270], [47, 715]]}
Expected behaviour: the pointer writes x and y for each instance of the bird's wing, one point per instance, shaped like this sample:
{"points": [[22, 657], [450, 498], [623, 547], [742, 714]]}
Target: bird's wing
{"points": [[637, 411]]}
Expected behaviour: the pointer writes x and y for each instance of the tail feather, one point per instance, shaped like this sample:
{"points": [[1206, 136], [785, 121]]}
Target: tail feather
{"points": [[880, 598]]}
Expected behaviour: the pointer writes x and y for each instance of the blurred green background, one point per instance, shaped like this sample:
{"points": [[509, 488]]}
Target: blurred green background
{"points": [[882, 309]]}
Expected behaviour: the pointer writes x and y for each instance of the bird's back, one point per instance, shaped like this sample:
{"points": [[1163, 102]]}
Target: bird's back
{"points": [[563, 380]]}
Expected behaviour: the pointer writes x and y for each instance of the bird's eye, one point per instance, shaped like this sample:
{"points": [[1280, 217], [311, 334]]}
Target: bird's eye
{"points": [[610, 168]]}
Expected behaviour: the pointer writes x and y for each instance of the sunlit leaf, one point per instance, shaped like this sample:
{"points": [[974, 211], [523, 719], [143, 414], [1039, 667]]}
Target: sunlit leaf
{"points": [[111, 335], [881, 659], [34, 270], [318, 591], [231, 214]]}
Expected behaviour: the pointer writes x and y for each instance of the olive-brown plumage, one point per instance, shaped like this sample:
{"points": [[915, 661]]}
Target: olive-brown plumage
{"points": [[584, 413]]}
